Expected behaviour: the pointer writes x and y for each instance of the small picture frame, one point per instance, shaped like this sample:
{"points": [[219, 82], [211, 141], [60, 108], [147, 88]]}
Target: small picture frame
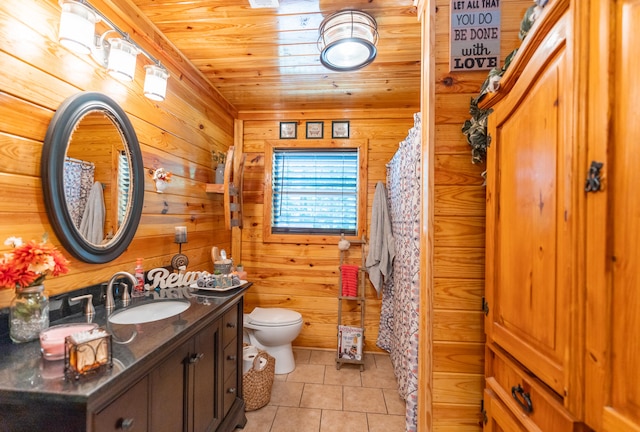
{"points": [[315, 130], [340, 129], [288, 130]]}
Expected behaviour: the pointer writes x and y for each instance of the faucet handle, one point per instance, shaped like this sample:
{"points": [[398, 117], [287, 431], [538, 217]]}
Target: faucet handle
{"points": [[89, 310], [126, 298]]}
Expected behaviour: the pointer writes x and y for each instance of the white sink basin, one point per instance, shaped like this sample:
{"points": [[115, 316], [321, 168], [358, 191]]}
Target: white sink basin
{"points": [[148, 312]]}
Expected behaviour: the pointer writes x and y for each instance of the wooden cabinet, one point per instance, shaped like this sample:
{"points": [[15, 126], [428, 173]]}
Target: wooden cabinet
{"points": [[533, 213], [195, 388], [562, 285], [168, 392], [184, 390], [197, 385], [613, 223]]}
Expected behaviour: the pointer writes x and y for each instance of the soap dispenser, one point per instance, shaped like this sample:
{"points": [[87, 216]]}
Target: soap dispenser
{"points": [[138, 290]]}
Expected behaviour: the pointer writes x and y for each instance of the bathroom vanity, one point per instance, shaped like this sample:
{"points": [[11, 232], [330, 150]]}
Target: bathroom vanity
{"points": [[182, 373]]}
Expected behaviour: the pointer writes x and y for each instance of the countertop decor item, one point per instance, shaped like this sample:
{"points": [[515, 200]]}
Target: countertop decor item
{"points": [[52, 339], [180, 261], [25, 270]]}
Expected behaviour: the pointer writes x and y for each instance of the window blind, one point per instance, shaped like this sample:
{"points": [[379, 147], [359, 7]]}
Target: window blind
{"points": [[124, 184], [315, 191]]}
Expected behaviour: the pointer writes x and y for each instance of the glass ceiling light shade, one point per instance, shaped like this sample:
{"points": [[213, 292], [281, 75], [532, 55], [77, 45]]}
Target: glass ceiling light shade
{"points": [[155, 82], [77, 26], [121, 63], [348, 40]]}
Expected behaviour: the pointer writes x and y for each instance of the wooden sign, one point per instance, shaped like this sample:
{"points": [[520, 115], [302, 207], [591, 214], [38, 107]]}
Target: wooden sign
{"points": [[474, 35]]}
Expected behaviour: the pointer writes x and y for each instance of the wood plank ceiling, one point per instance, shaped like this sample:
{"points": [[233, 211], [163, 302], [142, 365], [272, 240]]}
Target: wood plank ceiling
{"points": [[267, 58]]}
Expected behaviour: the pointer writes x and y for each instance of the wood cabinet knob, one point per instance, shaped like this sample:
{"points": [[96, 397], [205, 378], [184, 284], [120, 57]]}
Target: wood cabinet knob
{"points": [[125, 424], [195, 358]]}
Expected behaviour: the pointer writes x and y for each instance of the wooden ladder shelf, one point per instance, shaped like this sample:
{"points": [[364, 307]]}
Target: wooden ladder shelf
{"points": [[231, 190], [359, 301]]}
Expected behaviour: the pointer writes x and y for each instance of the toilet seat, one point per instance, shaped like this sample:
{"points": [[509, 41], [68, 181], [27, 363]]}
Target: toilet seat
{"points": [[273, 317]]}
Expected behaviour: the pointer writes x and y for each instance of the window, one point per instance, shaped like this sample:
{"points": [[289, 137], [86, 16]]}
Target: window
{"points": [[314, 191]]}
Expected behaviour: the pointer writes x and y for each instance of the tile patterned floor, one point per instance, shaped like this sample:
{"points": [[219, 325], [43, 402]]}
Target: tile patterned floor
{"points": [[317, 397]]}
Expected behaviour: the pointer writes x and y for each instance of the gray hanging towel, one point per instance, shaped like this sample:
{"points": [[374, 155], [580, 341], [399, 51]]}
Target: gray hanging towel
{"points": [[382, 250], [92, 224]]}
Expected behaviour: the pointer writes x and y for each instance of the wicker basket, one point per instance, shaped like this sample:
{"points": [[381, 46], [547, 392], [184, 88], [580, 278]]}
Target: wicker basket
{"points": [[256, 384]]}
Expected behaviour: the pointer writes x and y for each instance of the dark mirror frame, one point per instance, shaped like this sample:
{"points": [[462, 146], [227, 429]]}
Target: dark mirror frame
{"points": [[56, 142]]}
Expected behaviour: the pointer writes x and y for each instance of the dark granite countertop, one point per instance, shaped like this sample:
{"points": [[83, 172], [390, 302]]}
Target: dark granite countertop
{"points": [[25, 375]]}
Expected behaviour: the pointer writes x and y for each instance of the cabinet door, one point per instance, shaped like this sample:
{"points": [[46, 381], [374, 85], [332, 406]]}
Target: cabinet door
{"points": [[207, 381], [530, 215], [622, 403], [126, 413], [168, 386]]}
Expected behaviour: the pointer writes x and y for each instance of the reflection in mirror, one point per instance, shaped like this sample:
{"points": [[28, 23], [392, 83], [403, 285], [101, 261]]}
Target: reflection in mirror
{"points": [[92, 177], [96, 178]]}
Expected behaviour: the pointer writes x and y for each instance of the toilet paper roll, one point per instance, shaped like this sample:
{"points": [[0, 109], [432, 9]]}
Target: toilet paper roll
{"points": [[263, 363], [249, 353]]}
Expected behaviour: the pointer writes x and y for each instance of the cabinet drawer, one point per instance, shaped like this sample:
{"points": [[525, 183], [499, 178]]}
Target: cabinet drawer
{"points": [[230, 325], [533, 404], [499, 419], [128, 412], [230, 392], [230, 359]]}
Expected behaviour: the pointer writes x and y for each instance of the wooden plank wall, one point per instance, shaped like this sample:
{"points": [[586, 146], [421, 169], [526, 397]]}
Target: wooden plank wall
{"points": [[304, 277], [457, 238], [37, 74]]}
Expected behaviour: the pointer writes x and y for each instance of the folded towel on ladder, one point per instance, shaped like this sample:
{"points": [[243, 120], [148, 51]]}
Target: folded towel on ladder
{"points": [[349, 280]]}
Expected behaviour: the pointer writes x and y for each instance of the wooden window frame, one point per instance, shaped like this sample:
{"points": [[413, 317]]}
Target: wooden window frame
{"points": [[268, 236]]}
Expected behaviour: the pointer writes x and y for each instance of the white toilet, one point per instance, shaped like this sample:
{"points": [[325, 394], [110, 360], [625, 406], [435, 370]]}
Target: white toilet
{"points": [[273, 330]]}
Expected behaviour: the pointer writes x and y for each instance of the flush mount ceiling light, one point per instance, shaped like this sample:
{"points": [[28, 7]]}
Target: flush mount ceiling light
{"points": [[117, 54], [348, 40]]}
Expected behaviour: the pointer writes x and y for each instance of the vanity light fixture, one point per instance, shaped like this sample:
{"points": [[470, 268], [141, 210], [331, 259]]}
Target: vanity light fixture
{"points": [[117, 54], [77, 26], [348, 40], [155, 82], [121, 63]]}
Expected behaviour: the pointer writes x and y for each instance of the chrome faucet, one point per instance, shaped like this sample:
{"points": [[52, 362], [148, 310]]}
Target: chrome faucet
{"points": [[109, 303]]}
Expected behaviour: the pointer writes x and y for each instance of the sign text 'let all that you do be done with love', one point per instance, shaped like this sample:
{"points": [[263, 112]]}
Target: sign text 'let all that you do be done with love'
{"points": [[475, 35]]}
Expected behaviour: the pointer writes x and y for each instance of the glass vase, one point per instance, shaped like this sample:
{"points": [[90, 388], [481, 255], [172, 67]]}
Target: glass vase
{"points": [[29, 314], [220, 173]]}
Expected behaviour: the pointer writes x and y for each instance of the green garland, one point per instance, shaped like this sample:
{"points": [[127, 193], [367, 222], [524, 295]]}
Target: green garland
{"points": [[475, 129]]}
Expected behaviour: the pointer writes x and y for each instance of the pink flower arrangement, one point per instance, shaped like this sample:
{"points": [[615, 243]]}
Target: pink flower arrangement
{"points": [[30, 263]]}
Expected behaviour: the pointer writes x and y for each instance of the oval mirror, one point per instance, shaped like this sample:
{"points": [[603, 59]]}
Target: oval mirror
{"points": [[92, 177]]}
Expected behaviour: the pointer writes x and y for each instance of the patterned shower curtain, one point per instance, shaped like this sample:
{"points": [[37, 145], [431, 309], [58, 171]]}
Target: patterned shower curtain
{"points": [[398, 333], [78, 179]]}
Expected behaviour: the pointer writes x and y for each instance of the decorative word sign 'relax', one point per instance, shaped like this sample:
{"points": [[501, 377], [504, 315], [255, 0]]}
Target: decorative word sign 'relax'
{"points": [[475, 35], [163, 278]]}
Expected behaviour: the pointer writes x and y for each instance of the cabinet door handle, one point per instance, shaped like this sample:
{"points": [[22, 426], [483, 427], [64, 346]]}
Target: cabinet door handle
{"points": [[231, 390], [125, 424], [231, 325], [195, 358], [525, 403], [231, 357], [594, 181]]}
